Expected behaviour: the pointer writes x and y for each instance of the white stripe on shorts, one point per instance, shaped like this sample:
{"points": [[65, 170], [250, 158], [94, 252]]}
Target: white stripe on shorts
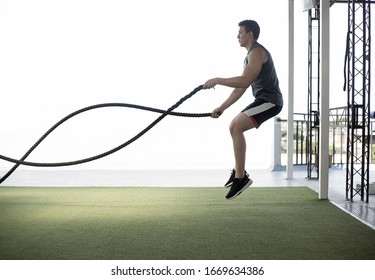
{"points": [[259, 109]]}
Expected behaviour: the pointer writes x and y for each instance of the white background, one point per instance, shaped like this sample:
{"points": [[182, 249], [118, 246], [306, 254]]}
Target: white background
{"points": [[59, 56], [93, 270]]}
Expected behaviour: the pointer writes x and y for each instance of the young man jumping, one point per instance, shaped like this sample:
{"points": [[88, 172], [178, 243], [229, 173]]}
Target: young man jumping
{"points": [[259, 73]]}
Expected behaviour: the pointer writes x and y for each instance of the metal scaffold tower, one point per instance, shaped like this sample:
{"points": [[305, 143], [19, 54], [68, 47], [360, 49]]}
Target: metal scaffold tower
{"points": [[313, 102], [358, 94], [358, 78]]}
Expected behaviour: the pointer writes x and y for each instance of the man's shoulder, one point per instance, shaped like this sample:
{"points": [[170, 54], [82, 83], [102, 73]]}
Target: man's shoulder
{"points": [[258, 50], [256, 45]]}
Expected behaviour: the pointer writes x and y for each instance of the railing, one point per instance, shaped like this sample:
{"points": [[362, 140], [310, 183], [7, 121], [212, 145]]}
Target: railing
{"points": [[337, 138]]}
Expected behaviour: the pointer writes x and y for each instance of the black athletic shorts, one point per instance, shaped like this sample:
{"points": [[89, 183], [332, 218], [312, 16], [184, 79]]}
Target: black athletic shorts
{"points": [[260, 111]]}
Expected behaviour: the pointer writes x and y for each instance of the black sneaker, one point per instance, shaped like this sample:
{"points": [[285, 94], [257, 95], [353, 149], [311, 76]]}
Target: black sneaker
{"points": [[238, 186], [231, 178]]}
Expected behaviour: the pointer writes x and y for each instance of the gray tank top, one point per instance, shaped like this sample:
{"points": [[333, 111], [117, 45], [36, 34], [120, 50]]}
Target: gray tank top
{"points": [[266, 85]]}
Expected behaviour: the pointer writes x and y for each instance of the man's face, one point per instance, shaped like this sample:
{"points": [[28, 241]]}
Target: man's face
{"points": [[243, 36]]}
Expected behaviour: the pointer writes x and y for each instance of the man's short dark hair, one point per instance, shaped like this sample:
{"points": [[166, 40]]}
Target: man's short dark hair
{"points": [[251, 25]]}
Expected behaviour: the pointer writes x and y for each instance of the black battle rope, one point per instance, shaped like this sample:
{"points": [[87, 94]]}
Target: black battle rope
{"points": [[346, 57], [164, 113]]}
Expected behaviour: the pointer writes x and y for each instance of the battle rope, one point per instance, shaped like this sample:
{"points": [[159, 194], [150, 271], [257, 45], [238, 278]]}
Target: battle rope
{"points": [[164, 113], [346, 57]]}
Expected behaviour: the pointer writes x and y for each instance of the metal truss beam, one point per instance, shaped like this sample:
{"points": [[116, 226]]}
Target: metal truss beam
{"points": [[346, 1], [358, 91]]}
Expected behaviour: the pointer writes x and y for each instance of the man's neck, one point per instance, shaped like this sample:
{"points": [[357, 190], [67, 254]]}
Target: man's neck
{"points": [[250, 45]]}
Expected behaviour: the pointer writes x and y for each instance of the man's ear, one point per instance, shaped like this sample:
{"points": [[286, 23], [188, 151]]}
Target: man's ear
{"points": [[252, 34]]}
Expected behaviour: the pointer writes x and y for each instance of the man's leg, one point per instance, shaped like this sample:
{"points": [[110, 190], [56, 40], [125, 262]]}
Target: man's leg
{"points": [[238, 126]]}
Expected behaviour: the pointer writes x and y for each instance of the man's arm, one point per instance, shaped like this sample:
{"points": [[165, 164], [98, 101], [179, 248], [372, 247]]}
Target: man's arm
{"points": [[256, 59], [233, 97]]}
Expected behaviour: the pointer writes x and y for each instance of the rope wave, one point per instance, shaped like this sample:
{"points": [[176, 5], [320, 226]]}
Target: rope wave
{"points": [[163, 113]]}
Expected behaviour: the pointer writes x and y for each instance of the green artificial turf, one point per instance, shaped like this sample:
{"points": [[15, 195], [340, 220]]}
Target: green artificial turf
{"points": [[177, 223]]}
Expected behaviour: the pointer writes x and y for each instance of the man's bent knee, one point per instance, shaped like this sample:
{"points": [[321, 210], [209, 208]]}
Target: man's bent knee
{"points": [[241, 123]]}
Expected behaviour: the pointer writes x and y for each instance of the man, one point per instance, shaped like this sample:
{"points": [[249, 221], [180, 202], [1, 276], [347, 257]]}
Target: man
{"points": [[260, 73]]}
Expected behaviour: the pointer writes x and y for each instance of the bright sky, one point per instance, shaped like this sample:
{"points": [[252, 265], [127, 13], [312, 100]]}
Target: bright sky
{"points": [[59, 56]]}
